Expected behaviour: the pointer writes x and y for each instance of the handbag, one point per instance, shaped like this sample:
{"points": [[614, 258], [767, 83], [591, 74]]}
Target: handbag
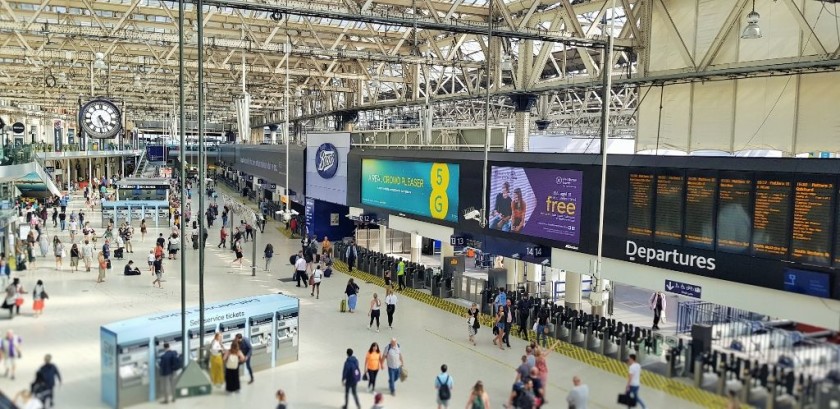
{"points": [[364, 376], [403, 374], [312, 279], [18, 301], [626, 399]]}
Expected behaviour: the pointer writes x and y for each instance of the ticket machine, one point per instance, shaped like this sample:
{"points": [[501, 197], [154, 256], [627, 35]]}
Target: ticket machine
{"points": [[260, 333], [287, 336], [175, 340], [229, 331], [133, 372], [195, 341]]}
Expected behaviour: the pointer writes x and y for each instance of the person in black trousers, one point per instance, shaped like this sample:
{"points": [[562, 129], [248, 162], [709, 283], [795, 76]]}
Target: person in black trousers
{"points": [[508, 323], [350, 376], [524, 306], [352, 253], [245, 347], [657, 304]]}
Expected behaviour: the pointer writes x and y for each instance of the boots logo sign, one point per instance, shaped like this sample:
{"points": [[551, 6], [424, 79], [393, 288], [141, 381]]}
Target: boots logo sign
{"points": [[326, 160], [649, 255]]}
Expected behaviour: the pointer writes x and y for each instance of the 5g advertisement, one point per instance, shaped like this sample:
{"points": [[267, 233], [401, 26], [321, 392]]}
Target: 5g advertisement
{"points": [[543, 203], [419, 188]]}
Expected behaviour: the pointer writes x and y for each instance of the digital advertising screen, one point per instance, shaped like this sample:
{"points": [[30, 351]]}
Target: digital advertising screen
{"points": [[419, 188], [544, 203]]}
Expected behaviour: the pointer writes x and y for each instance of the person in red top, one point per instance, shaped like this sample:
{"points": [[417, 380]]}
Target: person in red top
{"points": [[158, 251], [518, 209], [223, 236]]}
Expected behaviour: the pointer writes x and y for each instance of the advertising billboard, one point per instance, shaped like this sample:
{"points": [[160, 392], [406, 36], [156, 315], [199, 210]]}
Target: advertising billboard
{"points": [[418, 188], [543, 203], [326, 166]]}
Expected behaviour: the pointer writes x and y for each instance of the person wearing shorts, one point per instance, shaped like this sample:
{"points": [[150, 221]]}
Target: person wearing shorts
{"points": [[317, 275], [151, 260], [158, 266]]}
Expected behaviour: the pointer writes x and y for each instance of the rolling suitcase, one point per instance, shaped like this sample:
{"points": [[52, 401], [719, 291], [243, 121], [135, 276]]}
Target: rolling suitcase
{"points": [[343, 306]]}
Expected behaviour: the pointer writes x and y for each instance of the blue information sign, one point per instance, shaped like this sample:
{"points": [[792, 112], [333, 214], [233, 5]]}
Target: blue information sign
{"points": [[688, 290]]}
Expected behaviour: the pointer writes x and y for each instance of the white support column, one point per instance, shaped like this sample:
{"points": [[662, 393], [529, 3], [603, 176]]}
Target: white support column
{"points": [[573, 287], [383, 238], [521, 131], [446, 250], [67, 174], [416, 246]]}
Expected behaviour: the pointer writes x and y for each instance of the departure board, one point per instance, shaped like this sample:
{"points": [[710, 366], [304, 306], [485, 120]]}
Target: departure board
{"points": [[699, 207], [771, 218], [669, 209], [639, 222], [734, 222], [812, 222]]}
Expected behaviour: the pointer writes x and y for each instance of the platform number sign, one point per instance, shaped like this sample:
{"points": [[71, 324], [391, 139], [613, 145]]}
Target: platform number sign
{"points": [[101, 119]]}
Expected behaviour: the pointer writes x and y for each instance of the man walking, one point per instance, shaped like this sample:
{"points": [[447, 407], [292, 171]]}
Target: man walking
{"points": [[170, 362], [579, 395], [508, 323], [45, 381], [87, 253], [352, 253], [350, 377], [246, 349], [394, 360], [443, 385], [657, 304], [634, 375], [401, 274], [524, 307], [300, 270]]}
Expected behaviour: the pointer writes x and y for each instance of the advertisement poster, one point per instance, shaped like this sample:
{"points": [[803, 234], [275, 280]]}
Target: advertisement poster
{"points": [[419, 188], [326, 166], [542, 203]]}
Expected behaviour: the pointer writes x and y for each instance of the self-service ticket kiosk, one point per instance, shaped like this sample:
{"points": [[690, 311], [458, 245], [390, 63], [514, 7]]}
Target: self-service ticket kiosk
{"points": [[133, 372], [261, 341], [130, 348], [287, 336], [195, 339]]}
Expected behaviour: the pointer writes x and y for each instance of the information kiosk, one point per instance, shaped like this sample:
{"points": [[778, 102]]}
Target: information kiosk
{"points": [[130, 349]]}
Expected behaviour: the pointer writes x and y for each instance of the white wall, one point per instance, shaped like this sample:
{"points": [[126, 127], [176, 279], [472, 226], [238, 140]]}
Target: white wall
{"points": [[780, 304]]}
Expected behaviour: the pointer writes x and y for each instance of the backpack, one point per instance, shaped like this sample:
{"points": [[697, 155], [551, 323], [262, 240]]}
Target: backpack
{"points": [[524, 400], [444, 393], [478, 403]]}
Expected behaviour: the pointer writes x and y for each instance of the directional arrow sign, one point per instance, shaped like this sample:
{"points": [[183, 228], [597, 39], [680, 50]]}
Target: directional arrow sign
{"points": [[688, 290]]}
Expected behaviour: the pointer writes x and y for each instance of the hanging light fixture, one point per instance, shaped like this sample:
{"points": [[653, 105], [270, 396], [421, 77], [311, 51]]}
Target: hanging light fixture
{"points": [[752, 31], [507, 63], [137, 82], [99, 62]]}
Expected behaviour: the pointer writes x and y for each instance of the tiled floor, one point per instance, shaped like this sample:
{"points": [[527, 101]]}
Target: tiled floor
{"points": [[69, 329]]}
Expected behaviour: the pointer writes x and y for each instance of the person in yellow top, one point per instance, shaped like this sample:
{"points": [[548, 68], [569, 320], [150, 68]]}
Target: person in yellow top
{"points": [[372, 365], [217, 370], [326, 246]]}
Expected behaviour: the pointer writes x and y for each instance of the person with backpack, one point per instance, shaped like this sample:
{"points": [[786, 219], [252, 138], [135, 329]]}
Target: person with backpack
{"points": [[472, 323], [268, 253], [443, 384], [522, 396], [478, 397], [170, 363], [392, 357], [352, 291], [350, 377]]}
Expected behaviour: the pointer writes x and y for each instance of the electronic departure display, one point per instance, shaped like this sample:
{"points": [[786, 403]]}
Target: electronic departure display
{"points": [[811, 230], [771, 218], [669, 209], [734, 222], [699, 208], [639, 218]]}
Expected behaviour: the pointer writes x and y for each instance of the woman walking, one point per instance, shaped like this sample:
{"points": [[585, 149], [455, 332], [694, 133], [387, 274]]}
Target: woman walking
{"points": [[217, 373], [103, 265], [540, 355], [143, 230], [373, 364], [478, 397], [238, 250], [317, 276], [19, 292], [268, 253], [233, 358], [38, 297], [471, 329], [390, 306], [44, 244], [173, 244], [500, 327], [352, 292], [375, 305], [59, 254], [74, 257]]}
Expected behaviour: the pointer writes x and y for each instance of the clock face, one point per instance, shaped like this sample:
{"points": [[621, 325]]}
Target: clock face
{"points": [[101, 119]]}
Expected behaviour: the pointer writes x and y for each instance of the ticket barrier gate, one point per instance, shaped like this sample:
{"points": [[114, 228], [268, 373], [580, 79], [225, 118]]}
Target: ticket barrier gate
{"points": [[261, 341], [175, 341], [133, 372], [286, 341]]}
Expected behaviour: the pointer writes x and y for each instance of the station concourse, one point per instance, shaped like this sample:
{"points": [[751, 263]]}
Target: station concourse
{"points": [[429, 337]]}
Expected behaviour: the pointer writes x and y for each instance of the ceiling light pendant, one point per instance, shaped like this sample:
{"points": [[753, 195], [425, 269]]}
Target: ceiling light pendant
{"points": [[137, 83], [752, 31], [99, 62]]}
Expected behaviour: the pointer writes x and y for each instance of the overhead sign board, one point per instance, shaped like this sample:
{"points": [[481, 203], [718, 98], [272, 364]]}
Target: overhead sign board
{"points": [[688, 290], [18, 127]]}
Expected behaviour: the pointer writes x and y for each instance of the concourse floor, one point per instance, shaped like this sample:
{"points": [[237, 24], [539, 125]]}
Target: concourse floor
{"points": [[429, 337]]}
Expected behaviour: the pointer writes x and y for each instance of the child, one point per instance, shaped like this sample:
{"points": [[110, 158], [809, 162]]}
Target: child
{"points": [[151, 259]]}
